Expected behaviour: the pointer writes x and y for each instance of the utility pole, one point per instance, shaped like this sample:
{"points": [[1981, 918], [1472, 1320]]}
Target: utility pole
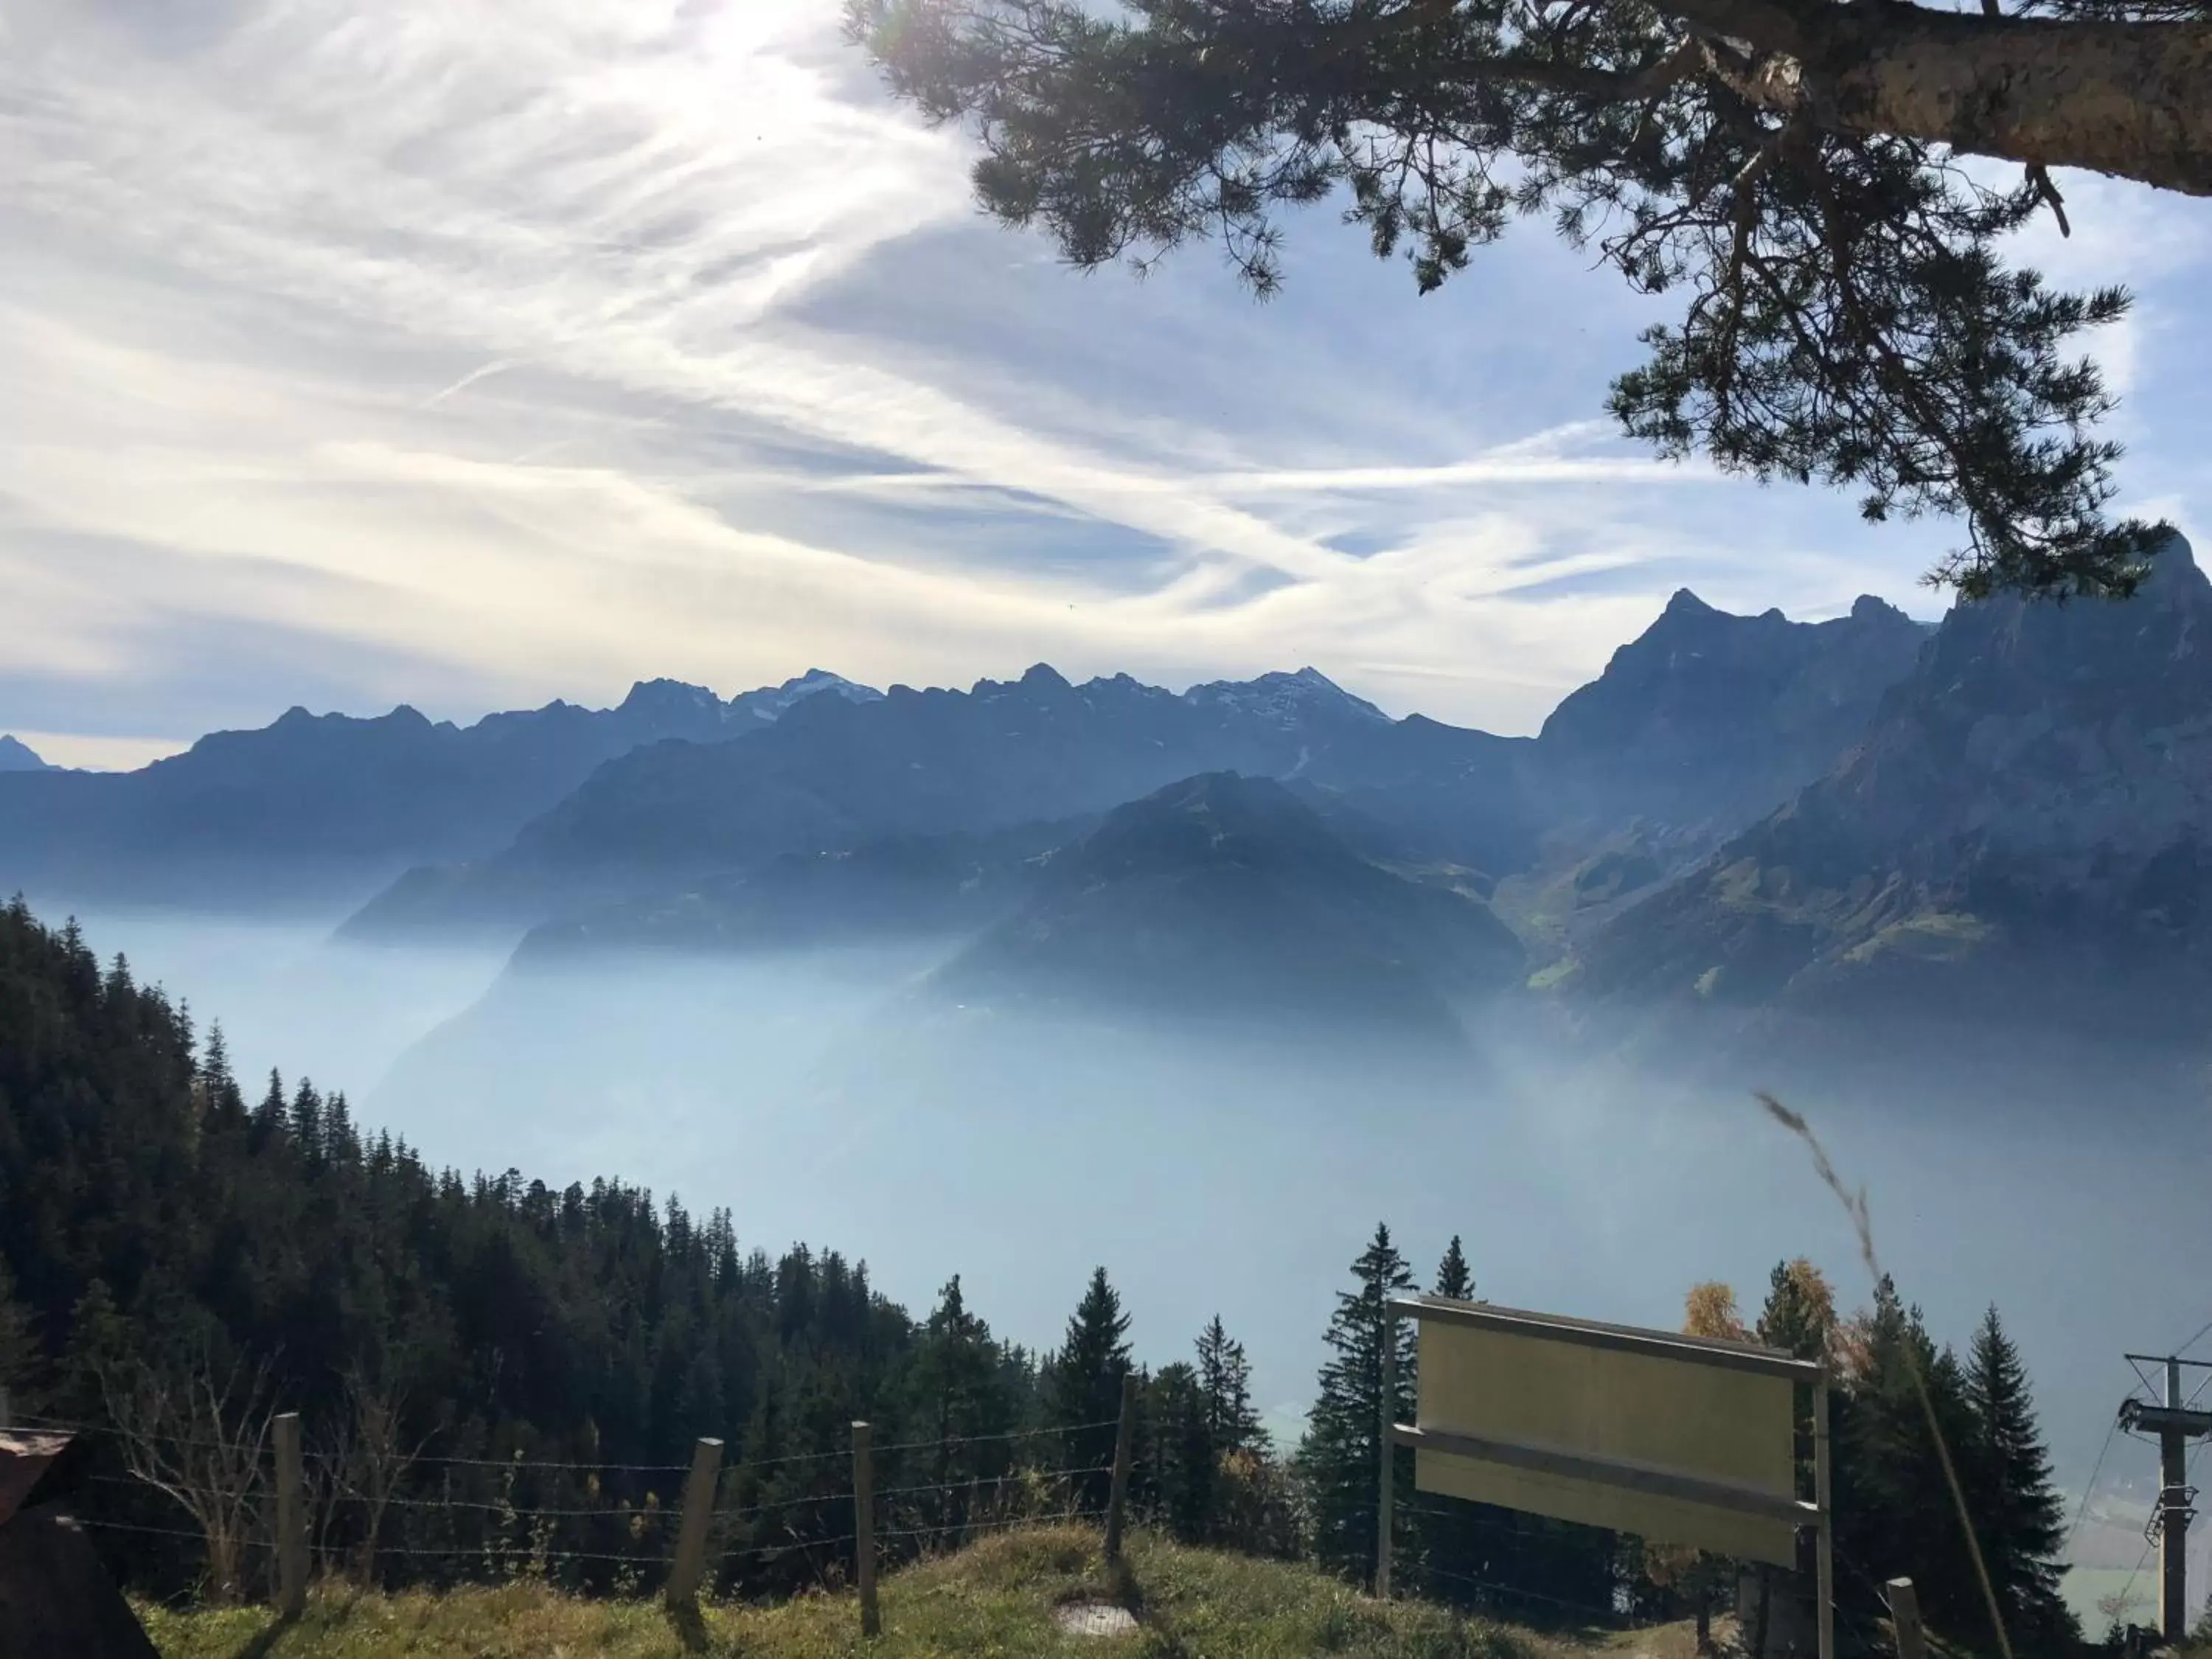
{"points": [[2175, 1423]]}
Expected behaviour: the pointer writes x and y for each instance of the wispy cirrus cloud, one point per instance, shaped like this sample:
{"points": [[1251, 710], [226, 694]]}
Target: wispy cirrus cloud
{"points": [[599, 340]]}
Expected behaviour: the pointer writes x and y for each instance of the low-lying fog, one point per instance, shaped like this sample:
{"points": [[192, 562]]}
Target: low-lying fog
{"points": [[819, 1105]]}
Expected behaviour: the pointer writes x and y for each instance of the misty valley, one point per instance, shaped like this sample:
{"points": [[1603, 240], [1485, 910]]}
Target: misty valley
{"points": [[1012, 983]]}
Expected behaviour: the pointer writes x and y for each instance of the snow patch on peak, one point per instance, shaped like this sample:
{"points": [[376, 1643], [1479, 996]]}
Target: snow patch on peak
{"points": [[770, 702], [1285, 697]]}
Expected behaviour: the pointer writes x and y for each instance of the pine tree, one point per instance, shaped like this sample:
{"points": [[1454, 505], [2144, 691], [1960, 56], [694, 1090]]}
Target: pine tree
{"points": [[2020, 1519], [1894, 1513], [961, 1402], [1799, 1315], [22, 1358], [1179, 1462], [1224, 1380], [270, 1116], [1341, 1452], [1084, 1396], [307, 1122], [1460, 1539], [1454, 1278]]}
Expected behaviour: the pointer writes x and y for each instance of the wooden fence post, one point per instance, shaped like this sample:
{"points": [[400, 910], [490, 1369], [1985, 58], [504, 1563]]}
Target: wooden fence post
{"points": [[291, 1519], [1905, 1616], [1117, 1502], [863, 1529], [1386, 1457], [690, 1563]]}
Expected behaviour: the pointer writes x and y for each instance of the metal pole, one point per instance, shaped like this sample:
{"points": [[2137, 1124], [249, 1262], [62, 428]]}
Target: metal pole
{"points": [[1824, 1499], [864, 1527], [1386, 1422], [2174, 1517]]}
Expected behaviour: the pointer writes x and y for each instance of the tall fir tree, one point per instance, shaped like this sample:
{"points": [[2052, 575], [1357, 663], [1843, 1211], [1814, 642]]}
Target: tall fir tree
{"points": [[1225, 1381], [1798, 1317], [1799, 1312], [1455, 1279], [1177, 1465], [1340, 1454], [961, 1402], [1894, 1513], [2018, 1518], [1083, 1387], [1459, 1539]]}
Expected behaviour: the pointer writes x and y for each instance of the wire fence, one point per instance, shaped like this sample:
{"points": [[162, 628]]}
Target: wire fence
{"points": [[762, 1525]]}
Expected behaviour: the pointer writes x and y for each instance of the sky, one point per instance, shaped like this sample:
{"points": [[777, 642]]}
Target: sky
{"points": [[469, 355]]}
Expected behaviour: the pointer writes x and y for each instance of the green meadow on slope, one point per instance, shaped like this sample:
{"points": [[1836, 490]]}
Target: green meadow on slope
{"points": [[999, 1598]]}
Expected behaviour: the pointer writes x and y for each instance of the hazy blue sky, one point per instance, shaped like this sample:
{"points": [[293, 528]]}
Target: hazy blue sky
{"points": [[475, 353]]}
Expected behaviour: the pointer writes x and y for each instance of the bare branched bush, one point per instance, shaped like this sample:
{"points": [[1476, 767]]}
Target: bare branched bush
{"points": [[198, 1431]]}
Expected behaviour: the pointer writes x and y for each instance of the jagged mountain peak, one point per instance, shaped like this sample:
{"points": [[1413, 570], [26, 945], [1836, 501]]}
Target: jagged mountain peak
{"points": [[1287, 696], [2031, 807], [1869, 608], [1709, 716], [16, 756], [662, 694], [772, 702]]}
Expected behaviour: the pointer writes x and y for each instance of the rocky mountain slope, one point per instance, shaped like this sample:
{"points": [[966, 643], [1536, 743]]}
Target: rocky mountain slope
{"points": [[1712, 719], [16, 756], [2021, 831]]}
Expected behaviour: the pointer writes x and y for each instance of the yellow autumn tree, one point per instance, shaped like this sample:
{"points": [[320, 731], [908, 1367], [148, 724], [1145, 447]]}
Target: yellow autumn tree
{"points": [[1709, 1310]]}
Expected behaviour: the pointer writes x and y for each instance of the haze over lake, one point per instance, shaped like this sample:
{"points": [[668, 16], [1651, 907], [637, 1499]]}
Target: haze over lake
{"points": [[795, 1091]]}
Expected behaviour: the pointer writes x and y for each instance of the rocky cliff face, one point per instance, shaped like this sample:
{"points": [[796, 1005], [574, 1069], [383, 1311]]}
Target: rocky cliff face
{"points": [[1710, 717], [2023, 824]]}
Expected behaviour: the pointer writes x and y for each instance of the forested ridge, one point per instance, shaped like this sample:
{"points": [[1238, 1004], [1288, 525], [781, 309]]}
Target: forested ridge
{"points": [[496, 1378]]}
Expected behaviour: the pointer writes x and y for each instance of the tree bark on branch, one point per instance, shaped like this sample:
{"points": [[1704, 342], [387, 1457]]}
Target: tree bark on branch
{"points": [[2133, 99]]}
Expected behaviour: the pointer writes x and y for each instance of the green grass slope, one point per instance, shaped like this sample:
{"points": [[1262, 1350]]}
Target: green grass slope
{"points": [[999, 1599]]}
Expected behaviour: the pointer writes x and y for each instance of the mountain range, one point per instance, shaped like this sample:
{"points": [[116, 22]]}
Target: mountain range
{"points": [[313, 804], [1740, 812]]}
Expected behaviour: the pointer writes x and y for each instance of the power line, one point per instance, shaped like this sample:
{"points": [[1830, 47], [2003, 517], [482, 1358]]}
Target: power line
{"points": [[2099, 1469], [2120, 1601]]}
